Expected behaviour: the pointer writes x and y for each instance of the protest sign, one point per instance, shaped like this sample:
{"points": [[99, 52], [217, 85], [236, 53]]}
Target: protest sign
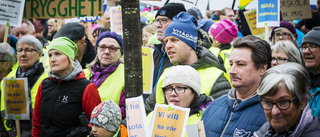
{"points": [[268, 13], [16, 98], [137, 125], [147, 69], [251, 18], [94, 18], [43, 9], [220, 4], [11, 12], [169, 121], [116, 20], [295, 9]]}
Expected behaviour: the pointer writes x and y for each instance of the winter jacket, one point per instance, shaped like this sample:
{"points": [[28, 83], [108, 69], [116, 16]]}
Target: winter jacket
{"points": [[228, 116], [308, 126], [206, 61], [315, 92], [60, 102], [161, 62]]}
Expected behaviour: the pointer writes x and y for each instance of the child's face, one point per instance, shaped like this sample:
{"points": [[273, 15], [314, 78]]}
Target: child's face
{"points": [[101, 132]]}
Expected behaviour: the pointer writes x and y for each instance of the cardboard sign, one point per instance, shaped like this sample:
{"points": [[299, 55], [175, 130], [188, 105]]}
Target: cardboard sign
{"points": [[16, 98], [295, 9], [94, 18], [42, 9], [251, 17], [116, 20], [268, 13], [169, 122], [11, 12], [148, 68], [136, 117]]}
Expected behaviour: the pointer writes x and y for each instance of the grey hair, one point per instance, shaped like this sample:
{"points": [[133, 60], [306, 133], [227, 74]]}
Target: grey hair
{"points": [[7, 53], [289, 48], [32, 41], [294, 76], [294, 40]]}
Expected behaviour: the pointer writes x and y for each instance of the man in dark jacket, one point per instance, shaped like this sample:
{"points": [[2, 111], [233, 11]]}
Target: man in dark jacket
{"points": [[181, 38], [238, 113], [163, 20]]}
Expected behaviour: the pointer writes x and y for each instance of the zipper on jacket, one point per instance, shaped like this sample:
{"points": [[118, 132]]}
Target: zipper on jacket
{"points": [[232, 111]]}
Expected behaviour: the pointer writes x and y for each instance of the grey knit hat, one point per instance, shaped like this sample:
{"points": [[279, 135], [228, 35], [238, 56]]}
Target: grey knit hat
{"points": [[107, 115], [312, 36], [183, 74]]}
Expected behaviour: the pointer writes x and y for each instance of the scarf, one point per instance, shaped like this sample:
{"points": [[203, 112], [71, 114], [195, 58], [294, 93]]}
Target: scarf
{"points": [[99, 75]]}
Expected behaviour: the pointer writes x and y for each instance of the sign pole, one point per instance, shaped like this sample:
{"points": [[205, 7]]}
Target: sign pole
{"points": [[58, 24], [6, 33], [89, 33], [18, 128], [266, 34]]}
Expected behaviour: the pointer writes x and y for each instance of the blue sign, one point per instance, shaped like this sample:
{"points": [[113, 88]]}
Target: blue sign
{"points": [[268, 12], [92, 19]]}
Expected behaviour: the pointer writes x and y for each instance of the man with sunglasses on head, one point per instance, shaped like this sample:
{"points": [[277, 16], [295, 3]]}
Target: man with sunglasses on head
{"points": [[164, 18], [311, 57]]}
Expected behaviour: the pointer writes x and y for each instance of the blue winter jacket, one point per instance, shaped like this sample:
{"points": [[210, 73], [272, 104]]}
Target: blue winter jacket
{"points": [[315, 92], [228, 117]]}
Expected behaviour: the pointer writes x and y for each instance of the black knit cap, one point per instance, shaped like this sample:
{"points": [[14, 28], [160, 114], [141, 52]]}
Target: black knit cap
{"points": [[170, 10]]}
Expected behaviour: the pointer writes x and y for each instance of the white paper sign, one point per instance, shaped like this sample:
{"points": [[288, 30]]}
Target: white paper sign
{"points": [[137, 125], [11, 12]]}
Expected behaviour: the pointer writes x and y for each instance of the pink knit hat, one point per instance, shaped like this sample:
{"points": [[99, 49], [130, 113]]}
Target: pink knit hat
{"points": [[224, 31]]}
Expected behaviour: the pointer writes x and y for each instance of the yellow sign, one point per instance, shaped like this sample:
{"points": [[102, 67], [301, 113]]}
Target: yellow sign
{"points": [[148, 68], [169, 122], [251, 17], [16, 93], [244, 2], [41, 9]]}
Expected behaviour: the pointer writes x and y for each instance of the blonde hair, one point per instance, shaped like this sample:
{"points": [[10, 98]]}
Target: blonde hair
{"points": [[152, 28]]}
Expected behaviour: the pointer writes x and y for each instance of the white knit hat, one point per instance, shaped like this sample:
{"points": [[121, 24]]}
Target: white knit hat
{"points": [[183, 74]]}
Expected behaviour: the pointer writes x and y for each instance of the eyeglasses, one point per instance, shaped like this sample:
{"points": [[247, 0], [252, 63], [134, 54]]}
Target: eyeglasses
{"points": [[162, 21], [94, 36], [27, 51], [282, 104], [280, 60], [177, 90], [3, 61], [283, 35], [310, 47], [111, 49]]}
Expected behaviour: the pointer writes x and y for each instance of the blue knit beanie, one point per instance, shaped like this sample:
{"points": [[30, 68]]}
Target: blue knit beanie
{"points": [[205, 24], [109, 34], [184, 27]]}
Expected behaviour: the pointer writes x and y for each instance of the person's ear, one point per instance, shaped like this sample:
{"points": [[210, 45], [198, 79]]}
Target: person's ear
{"points": [[7, 66]]}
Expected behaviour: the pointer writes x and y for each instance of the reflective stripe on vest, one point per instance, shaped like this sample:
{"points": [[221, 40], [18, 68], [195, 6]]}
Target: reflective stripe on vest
{"points": [[112, 87], [208, 78]]}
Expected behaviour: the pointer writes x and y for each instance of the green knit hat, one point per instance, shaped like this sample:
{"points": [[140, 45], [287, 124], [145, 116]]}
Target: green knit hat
{"points": [[65, 45]]}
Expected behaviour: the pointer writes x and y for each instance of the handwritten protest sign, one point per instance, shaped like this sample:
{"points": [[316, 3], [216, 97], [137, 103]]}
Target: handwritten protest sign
{"points": [[268, 13], [136, 117], [251, 17], [295, 9], [41, 9], [169, 122], [11, 12], [116, 20], [148, 68], [94, 18], [16, 98]]}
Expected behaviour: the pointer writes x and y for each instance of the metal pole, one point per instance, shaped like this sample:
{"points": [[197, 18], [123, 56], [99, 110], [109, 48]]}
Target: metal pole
{"points": [[132, 47]]}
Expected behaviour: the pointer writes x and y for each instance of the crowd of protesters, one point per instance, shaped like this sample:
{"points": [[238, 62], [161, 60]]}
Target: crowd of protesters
{"points": [[237, 83]]}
